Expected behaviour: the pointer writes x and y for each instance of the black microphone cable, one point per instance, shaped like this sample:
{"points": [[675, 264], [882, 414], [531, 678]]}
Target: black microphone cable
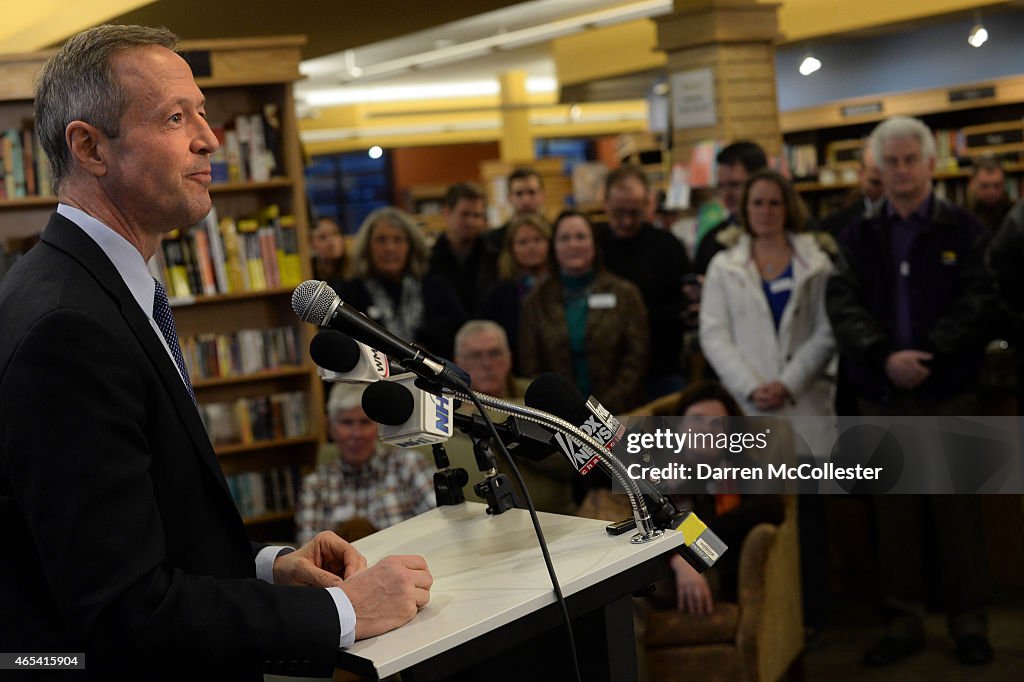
{"points": [[464, 387]]}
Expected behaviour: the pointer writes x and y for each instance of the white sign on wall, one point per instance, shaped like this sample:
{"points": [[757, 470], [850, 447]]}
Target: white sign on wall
{"points": [[693, 99]]}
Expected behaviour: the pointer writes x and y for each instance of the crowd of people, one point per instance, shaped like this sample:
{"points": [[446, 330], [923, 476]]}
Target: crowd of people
{"points": [[883, 307], [124, 539]]}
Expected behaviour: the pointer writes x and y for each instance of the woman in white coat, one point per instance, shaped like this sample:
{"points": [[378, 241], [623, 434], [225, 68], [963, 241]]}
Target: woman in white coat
{"points": [[763, 325]]}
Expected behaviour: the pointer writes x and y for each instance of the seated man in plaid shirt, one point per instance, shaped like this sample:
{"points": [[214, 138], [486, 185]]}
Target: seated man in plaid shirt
{"points": [[370, 485]]}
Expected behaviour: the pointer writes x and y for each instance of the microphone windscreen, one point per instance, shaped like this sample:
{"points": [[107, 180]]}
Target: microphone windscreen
{"points": [[388, 403], [334, 351], [311, 300], [555, 394]]}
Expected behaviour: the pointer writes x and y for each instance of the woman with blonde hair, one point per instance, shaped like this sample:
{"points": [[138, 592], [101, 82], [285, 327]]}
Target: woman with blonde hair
{"points": [[524, 262], [392, 287]]}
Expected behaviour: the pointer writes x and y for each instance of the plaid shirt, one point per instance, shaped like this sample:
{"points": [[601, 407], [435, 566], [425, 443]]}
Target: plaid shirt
{"points": [[392, 486]]}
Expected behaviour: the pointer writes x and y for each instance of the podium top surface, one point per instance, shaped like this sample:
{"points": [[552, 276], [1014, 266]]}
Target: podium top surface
{"points": [[488, 571]]}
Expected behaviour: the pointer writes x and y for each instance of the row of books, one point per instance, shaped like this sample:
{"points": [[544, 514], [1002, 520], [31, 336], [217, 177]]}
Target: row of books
{"points": [[246, 351], [262, 492], [249, 145], [254, 419], [800, 160], [23, 165], [226, 256]]}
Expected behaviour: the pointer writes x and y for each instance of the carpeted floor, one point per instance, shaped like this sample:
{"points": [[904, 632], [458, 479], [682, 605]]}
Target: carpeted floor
{"points": [[856, 626]]}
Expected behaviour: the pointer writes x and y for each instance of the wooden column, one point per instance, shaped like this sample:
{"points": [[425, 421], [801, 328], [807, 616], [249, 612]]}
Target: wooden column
{"points": [[734, 40], [516, 144]]}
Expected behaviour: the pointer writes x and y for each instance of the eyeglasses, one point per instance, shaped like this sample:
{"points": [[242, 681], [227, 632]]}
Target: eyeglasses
{"points": [[347, 423], [493, 354], [623, 213]]}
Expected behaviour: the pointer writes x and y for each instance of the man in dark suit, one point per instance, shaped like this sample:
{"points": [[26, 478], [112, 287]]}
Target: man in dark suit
{"points": [[462, 256], [735, 163], [866, 200], [121, 539], [656, 262]]}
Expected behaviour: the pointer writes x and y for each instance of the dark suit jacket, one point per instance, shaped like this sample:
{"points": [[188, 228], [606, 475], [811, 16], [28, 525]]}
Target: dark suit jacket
{"points": [[121, 539]]}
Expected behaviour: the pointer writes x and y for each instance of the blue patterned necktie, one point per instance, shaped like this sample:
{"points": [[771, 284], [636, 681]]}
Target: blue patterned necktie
{"points": [[165, 321]]}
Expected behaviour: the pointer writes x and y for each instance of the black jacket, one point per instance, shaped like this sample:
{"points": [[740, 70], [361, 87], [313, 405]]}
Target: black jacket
{"points": [[470, 278], [656, 262], [952, 298]]}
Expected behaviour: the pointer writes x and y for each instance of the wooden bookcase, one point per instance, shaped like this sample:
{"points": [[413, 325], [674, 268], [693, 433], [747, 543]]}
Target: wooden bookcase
{"points": [[942, 109], [237, 77]]}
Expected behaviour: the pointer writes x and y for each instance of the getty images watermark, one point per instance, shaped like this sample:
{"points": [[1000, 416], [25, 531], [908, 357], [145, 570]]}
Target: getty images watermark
{"points": [[877, 455]]}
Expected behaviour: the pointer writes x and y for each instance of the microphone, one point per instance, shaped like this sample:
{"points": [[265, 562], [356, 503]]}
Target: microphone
{"points": [[406, 415], [316, 303], [340, 358], [556, 395]]}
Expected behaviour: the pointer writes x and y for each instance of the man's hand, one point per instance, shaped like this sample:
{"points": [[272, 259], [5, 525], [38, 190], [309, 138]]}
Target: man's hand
{"points": [[906, 368], [388, 594], [322, 562], [693, 594]]}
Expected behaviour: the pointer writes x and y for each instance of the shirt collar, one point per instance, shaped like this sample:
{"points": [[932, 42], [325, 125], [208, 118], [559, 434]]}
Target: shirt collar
{"points": [[918, 215], [122, 254]]}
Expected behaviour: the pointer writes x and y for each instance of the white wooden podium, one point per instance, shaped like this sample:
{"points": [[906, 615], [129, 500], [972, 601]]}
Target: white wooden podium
{"points": [[492, 594]]}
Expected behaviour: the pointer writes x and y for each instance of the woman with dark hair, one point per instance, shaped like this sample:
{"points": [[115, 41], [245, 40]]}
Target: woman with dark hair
{"points": [[524, 262], [763, 326], [730, 516], [585, 322], [328, 250], [392, 287]]}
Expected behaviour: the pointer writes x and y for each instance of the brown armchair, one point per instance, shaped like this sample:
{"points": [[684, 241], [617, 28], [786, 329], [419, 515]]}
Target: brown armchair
{"points": [[759, 638]]}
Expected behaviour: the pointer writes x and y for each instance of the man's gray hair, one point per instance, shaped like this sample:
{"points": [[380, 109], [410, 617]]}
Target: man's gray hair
{"points": [[344, 396], [419, 253], [900, 127], [78, 84], [477, 326]]}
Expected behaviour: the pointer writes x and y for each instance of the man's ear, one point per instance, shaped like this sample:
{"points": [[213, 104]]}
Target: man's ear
{"points": [[85, 144]]}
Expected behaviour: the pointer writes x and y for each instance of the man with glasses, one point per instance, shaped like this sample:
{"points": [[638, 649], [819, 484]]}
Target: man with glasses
{"points": [[868, 198], [735, 163], [655, 261], [481, 348]]}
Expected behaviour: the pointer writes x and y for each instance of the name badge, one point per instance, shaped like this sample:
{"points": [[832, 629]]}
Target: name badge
{"points": [[779, 285], [601, 301]]}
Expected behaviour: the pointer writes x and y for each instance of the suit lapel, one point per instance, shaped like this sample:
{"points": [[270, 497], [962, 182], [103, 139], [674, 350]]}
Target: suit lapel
{"points": [[63, 234]]}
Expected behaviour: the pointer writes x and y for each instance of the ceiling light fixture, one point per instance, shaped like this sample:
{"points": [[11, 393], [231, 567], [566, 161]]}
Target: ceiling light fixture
{"points": [[396, 93], [519, 38], [809, 65], [978, 34], [351, 69]]}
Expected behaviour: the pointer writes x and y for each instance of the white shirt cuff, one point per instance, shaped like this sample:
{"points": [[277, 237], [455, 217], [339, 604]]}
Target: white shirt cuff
{"points": [[346, 615], [265, 561]]}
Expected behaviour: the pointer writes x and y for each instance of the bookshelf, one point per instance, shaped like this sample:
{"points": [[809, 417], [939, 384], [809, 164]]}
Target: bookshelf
{"points": [[970, 120], [240, 78]]}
